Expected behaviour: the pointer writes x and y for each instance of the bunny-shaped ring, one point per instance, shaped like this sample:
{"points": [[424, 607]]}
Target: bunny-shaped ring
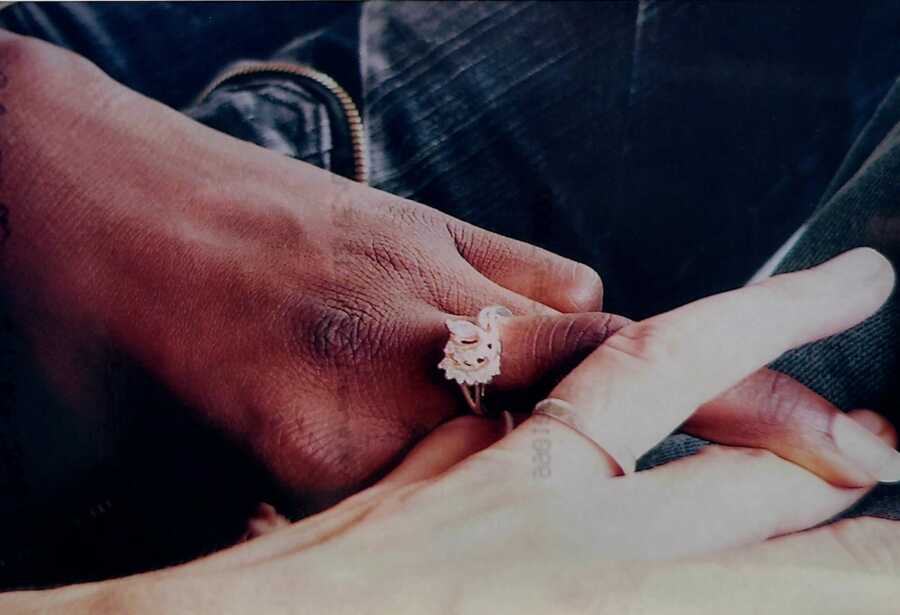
{"points": [[472, 354]]}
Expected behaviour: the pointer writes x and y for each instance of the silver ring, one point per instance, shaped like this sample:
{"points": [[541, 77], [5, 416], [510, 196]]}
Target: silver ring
{"points": [[563, 412]]}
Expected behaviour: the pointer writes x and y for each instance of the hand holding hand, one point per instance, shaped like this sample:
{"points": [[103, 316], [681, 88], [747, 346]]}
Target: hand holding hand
{"points": [[486, 531], [298, 313]]}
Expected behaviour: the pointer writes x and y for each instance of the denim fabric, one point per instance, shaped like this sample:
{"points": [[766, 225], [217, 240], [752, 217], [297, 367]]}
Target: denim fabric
{"points": [[861, 367], [858, 368], [168, 50], [673, 146], [278, 114]]}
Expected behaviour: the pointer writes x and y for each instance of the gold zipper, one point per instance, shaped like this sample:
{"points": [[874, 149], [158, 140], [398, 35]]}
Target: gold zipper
{"points": [[351, 112]]}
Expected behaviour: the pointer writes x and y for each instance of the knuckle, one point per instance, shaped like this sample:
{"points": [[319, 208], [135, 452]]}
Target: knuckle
{"points": [[536, 342], [781, 404], [339, 333], [462, 237], [414, 215], [647, 342], [564, 335], [405, 263], [341, 336], [483, 250], [551, 339], [336, 336], [586, 332], [387, 256], [874, 544]]}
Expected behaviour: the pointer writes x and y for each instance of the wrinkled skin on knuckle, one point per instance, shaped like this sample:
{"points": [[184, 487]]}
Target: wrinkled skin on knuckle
{"points": [[403, 249], [339, 332], [463, 239], [647, 343], [540, 351], [575, 338], [409, 214], [486, 251], [426, 254], [345, 313], [380, 258], [597, 328], [542, 348], [780, 405]]}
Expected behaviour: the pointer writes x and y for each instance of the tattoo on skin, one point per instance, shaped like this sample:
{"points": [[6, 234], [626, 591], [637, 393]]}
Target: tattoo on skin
{"points": [[541, 445]]}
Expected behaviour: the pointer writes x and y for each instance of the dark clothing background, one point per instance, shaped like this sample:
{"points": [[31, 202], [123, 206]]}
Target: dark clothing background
{"points": [[672, 146]]}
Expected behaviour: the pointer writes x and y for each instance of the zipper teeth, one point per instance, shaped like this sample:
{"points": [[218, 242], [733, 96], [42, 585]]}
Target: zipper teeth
{"points": [[351, 112]]}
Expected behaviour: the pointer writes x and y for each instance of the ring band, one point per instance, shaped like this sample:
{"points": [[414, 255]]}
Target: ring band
{"points": [[562, 411]]}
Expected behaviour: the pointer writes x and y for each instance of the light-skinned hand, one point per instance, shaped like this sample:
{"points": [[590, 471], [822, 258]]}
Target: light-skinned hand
{"points": [[541, 521]]}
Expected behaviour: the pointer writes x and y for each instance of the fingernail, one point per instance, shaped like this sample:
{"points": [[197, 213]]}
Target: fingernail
{"points": [[865, 449]]}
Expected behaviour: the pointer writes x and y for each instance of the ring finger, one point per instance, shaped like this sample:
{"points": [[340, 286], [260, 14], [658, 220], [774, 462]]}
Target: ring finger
{"points": [[645, 380]]}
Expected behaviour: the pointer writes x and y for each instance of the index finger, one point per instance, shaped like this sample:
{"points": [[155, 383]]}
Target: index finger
{"points": [[645, 380]]}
